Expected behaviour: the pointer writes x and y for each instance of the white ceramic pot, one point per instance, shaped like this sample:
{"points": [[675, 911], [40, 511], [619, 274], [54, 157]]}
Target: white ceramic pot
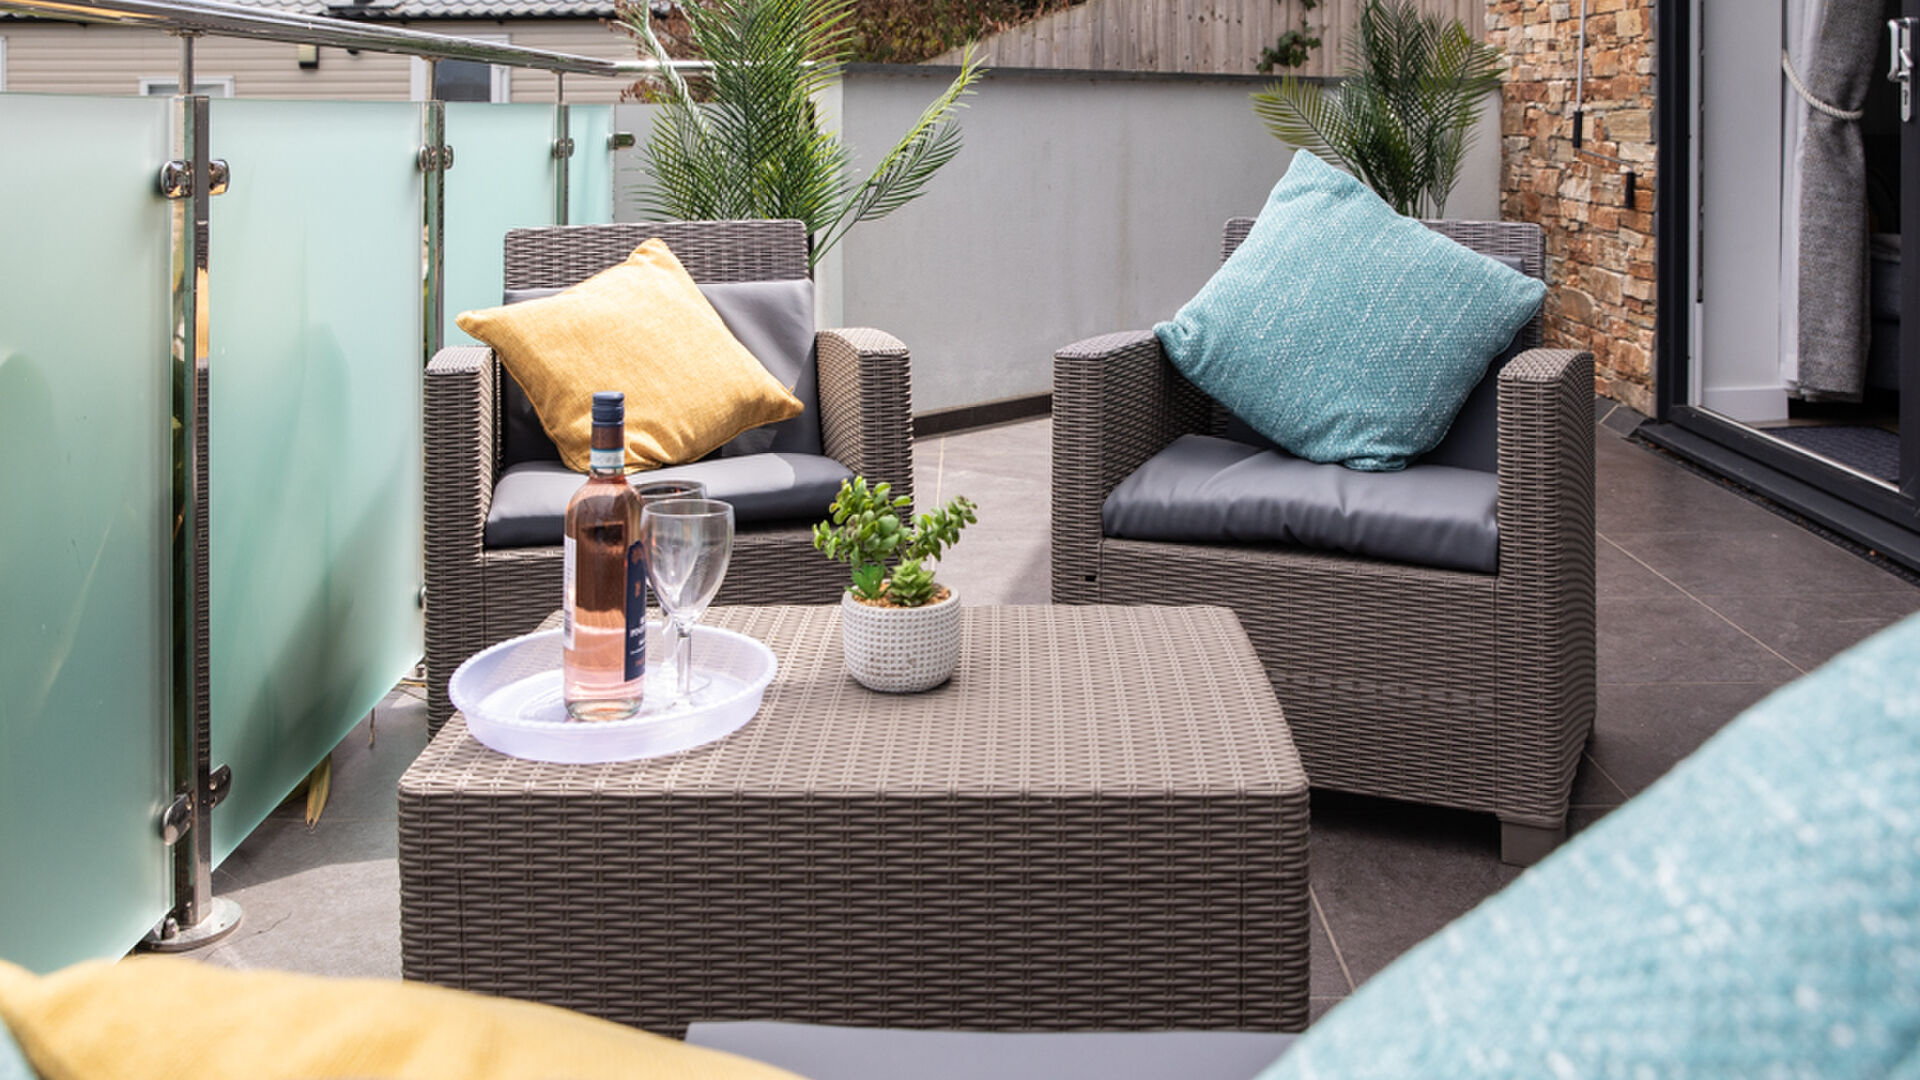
{"points": [[901, 650]]}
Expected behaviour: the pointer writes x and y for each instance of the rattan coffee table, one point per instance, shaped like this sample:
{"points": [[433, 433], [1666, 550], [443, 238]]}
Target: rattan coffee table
{"points": [[1101, 822]]}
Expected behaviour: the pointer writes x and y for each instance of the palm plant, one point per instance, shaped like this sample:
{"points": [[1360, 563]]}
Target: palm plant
{"points": [[1402, 116], [744, 139]]}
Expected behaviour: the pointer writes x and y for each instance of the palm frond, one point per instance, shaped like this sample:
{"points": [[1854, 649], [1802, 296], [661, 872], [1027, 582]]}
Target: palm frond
{"points": [[1402, 117], [747, 141], [905, 170], [1300, 114]]}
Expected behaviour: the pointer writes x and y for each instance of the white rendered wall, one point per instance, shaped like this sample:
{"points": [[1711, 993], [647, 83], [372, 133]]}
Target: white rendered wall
{"points": [[1083, 203]]}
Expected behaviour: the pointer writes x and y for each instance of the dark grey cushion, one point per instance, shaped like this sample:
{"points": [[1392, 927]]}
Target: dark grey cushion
{"points": [[773, 319], [1204, 490], [530, 501], [820, 1052]]}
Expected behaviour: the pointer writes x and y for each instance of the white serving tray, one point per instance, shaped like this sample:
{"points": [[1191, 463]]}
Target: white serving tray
{"points": [[511, 697]]}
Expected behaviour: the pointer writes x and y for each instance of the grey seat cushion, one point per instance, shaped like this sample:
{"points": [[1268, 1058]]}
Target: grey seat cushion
{"points": [[1204, 490], [773, 319], [530, 501], [820, 1052]]}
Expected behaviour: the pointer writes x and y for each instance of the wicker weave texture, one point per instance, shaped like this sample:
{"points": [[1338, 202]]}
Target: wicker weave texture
{"points": [[555, 257], [1100, 822], [477, 596], [1447, 688]]}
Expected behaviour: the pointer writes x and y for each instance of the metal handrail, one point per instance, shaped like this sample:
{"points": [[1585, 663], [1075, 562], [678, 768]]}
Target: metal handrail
{"points": [[222, 19]]}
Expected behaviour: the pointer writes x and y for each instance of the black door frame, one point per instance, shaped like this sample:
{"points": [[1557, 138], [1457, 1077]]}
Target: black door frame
{"points": [[1867, 513]]}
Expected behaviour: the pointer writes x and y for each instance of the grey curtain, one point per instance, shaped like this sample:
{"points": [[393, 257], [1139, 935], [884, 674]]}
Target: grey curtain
{"points": [[1833, 323]]}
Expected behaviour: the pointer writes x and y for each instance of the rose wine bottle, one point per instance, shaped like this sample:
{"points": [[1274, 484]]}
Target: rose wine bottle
{"points": [[605, 579]]}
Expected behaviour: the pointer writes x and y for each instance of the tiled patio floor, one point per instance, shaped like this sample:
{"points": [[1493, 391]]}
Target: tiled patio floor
{"points": [[1707, 602]]}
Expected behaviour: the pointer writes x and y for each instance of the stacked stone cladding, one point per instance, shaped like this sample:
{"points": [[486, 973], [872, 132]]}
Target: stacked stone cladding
{"points": [[1600, 241]]}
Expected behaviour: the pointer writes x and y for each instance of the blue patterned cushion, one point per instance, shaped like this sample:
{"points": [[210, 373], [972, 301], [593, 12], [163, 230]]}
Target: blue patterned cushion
{"points": [[1343, 331], [1754, 914]]}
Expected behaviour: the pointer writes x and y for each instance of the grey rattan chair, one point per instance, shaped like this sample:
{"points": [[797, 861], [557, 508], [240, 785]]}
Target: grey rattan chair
{"points": [[1442, 687], [477, 596]]}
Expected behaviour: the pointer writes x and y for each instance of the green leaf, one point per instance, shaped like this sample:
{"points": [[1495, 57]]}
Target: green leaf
{"points": [[1403, 115]]}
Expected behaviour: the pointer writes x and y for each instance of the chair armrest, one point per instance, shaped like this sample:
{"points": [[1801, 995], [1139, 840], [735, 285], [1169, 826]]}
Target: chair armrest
{"points": [[866, 404], [459, 454], [1116, 403], [1546, 461], [1545, 593]]}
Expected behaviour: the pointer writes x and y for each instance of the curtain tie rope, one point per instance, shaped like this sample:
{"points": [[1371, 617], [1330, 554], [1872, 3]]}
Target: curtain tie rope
{"points": [[1786, 65]]}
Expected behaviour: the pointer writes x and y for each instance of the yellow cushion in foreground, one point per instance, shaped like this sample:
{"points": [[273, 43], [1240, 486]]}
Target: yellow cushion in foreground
{"points": [[642, 328], [162, 1018]]}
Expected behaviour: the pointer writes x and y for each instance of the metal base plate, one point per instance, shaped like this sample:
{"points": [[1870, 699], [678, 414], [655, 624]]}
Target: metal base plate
{"points": [[170, 937]]}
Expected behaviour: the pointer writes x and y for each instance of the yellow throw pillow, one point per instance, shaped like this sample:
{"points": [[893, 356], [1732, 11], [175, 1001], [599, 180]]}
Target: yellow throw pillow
{"points": [[167, 1018], [642, 328]]}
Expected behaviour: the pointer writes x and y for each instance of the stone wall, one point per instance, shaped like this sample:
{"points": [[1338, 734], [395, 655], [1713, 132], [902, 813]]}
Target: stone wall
{"points": [[1600, 252]]}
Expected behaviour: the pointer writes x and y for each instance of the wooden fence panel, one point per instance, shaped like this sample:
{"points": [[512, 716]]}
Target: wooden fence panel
{"points": [[1196, 36]]}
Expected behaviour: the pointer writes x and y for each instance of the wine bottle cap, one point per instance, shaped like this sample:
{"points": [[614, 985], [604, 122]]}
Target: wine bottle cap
{"points": [[609, 407]]}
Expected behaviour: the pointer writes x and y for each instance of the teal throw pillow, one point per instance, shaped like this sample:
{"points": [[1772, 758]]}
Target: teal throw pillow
{"points": [[1756, 913], [1343, 331]]}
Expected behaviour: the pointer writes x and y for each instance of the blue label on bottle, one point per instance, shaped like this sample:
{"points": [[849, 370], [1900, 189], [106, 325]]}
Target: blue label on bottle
{"points": [[636, 611]]}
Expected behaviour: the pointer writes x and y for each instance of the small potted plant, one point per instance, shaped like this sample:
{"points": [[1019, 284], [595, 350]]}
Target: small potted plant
{"points": [[900, 629]]}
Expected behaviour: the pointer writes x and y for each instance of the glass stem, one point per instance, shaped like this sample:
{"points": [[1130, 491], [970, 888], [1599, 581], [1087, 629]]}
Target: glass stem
{"points": [[683, 648]]}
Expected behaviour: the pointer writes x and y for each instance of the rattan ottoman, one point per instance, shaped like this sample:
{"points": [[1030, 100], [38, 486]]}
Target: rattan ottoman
{"points": [[1099, 823]]}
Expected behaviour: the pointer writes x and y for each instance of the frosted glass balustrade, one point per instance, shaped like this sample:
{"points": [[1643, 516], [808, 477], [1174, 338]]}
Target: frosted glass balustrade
{"points": [[86, 623], [503, 179], [590, 173], [315, 434]]}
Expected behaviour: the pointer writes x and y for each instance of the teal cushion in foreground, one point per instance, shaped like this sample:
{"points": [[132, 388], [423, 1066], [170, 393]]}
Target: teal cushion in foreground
{"points": [[1343, 331], [1754, 914]]}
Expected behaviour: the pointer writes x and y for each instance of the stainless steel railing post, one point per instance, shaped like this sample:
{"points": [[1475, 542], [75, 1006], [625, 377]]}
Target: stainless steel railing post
{"points": [[190, 180]]}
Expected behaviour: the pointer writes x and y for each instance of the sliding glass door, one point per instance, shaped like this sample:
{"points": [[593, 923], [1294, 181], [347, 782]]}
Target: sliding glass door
{"points": [[1791, 348]]}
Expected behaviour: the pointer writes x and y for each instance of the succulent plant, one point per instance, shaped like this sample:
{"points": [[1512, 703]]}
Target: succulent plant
{"points": [[865, 530]]}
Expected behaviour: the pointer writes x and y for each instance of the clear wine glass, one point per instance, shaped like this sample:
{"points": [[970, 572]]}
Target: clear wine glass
{"points": [[688, 543], [652, 491]]}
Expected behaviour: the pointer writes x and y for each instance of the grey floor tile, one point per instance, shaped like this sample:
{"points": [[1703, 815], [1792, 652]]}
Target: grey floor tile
{"points": [[1676, 639], [1637, 490], [1583, 817], [1015, 449], [1593, 786], [1643, 729], [1389, 874], [1782, 560], [336, 918], [284, 847], [1327, 977], [991, 570], [1318, 1007], [367, 769], [1810, 629], [1619, 575]]}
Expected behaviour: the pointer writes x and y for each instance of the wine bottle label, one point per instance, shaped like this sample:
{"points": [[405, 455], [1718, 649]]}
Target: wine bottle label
{"points": [[636, 610], [566, 592], [607, 459]]}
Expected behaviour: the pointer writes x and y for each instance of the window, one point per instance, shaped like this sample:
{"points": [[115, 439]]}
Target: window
{"points": [[210, 86], [462, 80]]}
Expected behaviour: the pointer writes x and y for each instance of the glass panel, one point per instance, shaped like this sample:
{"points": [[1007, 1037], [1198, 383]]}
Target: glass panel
{"points": [[86, 560], [315, 434], [502, 178], [590, 173]]}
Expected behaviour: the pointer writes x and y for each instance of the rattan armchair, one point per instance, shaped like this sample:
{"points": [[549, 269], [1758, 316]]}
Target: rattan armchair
{"points": [[476, 596], [1442, 687]]}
